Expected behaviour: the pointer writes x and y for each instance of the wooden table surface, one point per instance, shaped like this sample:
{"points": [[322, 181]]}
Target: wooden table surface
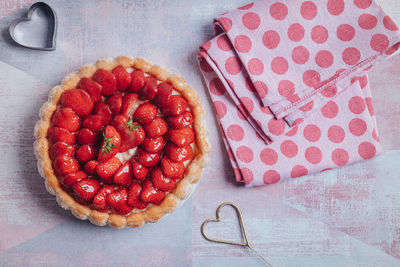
{"points": [[348, 216]]}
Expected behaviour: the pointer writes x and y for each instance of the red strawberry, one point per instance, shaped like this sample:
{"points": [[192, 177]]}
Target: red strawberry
{"points": [[90, 167], [100, 199], [145, 113], [156, 128], [150, 194], [163, 93], [172, 169], [153, 145], [178, 154], [127, 104], [106, 80], [86, 136], [181, 137], [137, 78], [132, 134], [73, 178], [57, 134], [123, 78], [115, 103], [134, 196], [175, 105], [107, 169], [67, 119], [118, 200], [161, 182], [139, 171], [86, 189], [85, 153], [110, 145], [113, 135], [65, 164], [93, 123], [124, 174], [61, 148], [149, 90], [180, 121], [104, 111], [92, 88], [78, 100], [148, 159]]}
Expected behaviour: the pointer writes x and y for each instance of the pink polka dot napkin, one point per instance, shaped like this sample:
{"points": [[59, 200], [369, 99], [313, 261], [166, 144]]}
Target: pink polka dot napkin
{"points": [[289, 83]]}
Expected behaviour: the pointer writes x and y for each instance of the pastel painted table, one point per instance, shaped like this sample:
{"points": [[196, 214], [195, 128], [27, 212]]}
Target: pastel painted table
{"points": [[348, 216]]}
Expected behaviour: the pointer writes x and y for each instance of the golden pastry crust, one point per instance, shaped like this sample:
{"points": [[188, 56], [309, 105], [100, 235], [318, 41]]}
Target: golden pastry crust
{"points": [[138, 217]]}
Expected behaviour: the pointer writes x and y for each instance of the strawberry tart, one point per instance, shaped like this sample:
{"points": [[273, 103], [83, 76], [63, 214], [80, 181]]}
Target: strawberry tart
{"points": [[121, 142]]}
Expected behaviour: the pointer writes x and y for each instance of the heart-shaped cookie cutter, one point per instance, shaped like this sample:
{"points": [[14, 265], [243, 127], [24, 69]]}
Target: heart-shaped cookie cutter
{"points": [[242, 227], [53, 24]]}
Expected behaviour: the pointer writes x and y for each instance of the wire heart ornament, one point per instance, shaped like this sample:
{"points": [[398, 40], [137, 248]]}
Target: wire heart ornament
{"points": [[51, 18], [242, 227]]}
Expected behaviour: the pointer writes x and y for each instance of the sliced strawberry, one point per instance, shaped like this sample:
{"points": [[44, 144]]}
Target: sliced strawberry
{"points": [[148, 159], [123, 78], [134, 196], [106, 80], [137, 80], [127, 104], [65, 164], [156, 128], [73, 177], [100, 199], [153, 145], [132, 134], [172, 169], [118, 201], [175, 105], [86, 189], [145, 113], [85, 153], [180, 121], [161, 182], [178, 154], [93, 123], [90, 167], [57, 134], [92, 88], [124, 175], [149, 90], [115, 103], [86, 136], [163, 93], [103, 110], [150, 194], [61, 148], [107, 169], [78, 100], [67, 119], [181, 137], [139, 171]]}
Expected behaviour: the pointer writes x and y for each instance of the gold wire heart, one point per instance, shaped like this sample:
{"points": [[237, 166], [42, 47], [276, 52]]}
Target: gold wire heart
{"points": [[242, 227], [241, 223]]}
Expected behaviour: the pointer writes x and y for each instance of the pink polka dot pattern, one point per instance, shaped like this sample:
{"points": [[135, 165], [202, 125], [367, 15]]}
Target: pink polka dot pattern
{"points": [[308, 10], [319, 34], [242, 44], [251, 20], [289, 86], [271, 177]]}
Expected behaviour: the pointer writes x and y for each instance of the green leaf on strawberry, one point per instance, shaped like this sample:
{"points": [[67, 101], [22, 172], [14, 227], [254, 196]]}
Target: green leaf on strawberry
{"points": [[133, 126], [108, 146]]}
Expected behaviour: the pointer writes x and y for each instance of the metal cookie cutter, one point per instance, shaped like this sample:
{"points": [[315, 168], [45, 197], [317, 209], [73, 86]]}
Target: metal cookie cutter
{"points": [[52, 19]]}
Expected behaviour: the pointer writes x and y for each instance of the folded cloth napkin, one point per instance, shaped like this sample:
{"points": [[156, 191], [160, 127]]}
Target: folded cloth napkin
{"points": [[289, 84]]}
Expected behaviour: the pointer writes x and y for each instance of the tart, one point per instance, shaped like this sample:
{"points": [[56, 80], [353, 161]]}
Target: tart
{"points": [[122, 142]]}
